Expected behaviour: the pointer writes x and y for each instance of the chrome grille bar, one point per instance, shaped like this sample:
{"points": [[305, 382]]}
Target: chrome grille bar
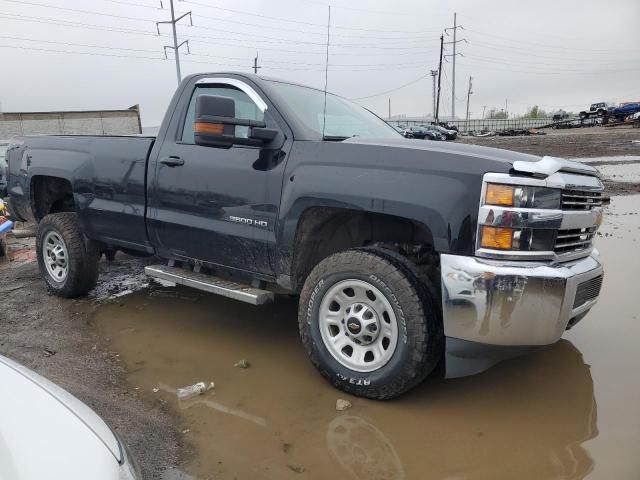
{"points": [[574, 240], [581, 199]]}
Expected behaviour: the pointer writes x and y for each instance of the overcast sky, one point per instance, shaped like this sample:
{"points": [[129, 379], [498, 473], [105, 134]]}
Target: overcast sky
{"points": [[554, 53]]}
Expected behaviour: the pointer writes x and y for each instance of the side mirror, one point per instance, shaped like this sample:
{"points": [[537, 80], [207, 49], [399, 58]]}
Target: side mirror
{"points": [[215, 124]]}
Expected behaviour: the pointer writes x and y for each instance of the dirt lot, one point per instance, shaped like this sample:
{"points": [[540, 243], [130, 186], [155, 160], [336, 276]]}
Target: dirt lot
{"points": [[570, 411], [572, 143], [57, 339]]}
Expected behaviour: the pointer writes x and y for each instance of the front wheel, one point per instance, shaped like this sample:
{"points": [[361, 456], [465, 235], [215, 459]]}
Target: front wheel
{"points": [[67, 260], [369, 324]]}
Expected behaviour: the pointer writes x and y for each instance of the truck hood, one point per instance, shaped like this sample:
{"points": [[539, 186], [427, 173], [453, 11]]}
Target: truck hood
{"points": [[45, 432], [487, 153], [512, 161]]}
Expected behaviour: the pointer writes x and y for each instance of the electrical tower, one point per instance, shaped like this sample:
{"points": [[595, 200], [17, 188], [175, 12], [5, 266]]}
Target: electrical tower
{"points": [[434, 73], [453, 55], [255, 64], [176, 46]]}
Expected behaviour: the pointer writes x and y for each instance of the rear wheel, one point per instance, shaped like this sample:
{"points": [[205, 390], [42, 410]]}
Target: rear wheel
{"points": [[67, 260], [369, 324]]}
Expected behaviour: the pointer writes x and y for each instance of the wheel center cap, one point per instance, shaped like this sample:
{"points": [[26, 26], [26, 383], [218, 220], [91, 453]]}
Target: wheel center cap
{"points": [[354, 326]]}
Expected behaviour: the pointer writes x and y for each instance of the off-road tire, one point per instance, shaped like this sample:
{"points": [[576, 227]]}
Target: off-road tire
{"points": [[416, 307], [83, 255]]}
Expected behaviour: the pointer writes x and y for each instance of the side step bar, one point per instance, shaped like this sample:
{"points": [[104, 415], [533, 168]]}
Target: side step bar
{"points": [[208, 283]]}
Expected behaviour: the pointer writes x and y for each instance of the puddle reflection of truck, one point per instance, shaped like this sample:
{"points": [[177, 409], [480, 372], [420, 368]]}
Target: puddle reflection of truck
{"points": [[249, 191]]}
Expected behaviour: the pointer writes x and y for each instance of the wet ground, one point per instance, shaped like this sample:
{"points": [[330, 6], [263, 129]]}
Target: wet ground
{"points": [[571, 411], [568, 412], [571, 143]]}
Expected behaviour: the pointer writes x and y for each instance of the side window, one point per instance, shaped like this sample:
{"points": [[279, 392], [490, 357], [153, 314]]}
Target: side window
{"points": [[245, 108]]}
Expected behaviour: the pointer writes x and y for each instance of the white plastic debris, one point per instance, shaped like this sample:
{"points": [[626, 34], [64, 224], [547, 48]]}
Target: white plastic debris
{"points": [[242, 364], [342, 404], [156, 390], [195, 389]]}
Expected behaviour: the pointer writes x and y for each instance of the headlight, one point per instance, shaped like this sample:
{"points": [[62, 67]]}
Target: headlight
{"points": [[522, 196], [523, 239]]}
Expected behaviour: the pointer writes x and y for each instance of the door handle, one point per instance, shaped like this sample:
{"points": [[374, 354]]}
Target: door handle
{"points": [[172, 161]]}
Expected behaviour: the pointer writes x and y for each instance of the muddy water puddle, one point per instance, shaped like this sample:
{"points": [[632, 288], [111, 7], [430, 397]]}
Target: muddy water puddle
{"points": [[569, 412]]}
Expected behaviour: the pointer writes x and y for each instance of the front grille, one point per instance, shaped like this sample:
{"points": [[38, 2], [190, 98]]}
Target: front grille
{"points": [[587, 291], [574, 240], [581, 199]]}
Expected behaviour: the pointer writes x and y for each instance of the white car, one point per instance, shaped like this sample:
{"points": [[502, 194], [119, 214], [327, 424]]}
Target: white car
{"points": [[45, 432]]}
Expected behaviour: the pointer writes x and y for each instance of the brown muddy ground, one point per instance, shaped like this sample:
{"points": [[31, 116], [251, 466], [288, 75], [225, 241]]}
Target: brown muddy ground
{"points": [[568, 412], [55, 338], [571, 143]]}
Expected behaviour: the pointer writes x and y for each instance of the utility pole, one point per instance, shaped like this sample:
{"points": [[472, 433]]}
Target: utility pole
{"points": [[506, 107], [439, 78], [389, 117], [433, 76], [255, 64], [176, 46], [469, 92], [454, 54]]}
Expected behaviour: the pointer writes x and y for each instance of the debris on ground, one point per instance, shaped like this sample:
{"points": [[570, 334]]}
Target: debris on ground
{"points": [[296, 468], [156, 390], [242, 364], [120, 278], [195, 389], [48, 353], [342, 405]]}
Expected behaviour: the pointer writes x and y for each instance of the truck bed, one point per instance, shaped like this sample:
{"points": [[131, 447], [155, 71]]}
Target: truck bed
{"points": [[107, 175]]}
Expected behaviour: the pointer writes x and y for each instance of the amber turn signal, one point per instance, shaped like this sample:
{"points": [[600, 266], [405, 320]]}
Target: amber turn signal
{"points": [[208, 128], [497, 238], [501, 195]]}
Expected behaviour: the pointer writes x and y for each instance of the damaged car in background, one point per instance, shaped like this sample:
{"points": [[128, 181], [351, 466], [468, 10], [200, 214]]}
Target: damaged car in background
{"points": [[404, 254]]}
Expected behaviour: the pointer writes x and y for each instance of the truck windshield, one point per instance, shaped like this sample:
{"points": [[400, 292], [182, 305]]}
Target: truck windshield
{"points": [[344, 119]]}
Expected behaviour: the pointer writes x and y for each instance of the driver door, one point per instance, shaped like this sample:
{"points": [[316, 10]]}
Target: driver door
{"points": [[215, 205]]}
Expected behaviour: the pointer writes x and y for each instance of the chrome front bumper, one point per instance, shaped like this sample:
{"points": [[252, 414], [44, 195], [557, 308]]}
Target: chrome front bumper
{"points": [[516, 303]]}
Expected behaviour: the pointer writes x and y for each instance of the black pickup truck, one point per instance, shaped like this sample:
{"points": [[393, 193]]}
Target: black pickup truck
{"points": [[396, 247]]}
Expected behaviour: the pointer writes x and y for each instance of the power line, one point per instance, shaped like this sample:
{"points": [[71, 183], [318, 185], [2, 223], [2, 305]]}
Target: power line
{"points": [[393, 89], [199, 38], [552, 72], [279, 39], [307, 32], [76, 10], [533, 52], [308, 23], [132, 4], [546, 45], [77, 44]]}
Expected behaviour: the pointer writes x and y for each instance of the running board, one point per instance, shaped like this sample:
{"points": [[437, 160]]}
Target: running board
{"points": [[208, 283]]}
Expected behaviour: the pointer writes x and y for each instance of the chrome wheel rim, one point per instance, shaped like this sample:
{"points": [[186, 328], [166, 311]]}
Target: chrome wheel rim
{"points": [[56, 256], [358, 325]]}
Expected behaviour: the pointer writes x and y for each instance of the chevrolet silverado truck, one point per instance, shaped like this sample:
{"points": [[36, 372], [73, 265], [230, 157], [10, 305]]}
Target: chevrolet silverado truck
{"points": [[397, 248]]}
